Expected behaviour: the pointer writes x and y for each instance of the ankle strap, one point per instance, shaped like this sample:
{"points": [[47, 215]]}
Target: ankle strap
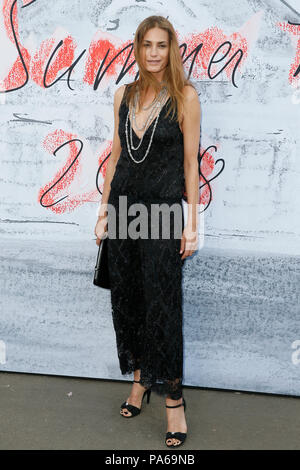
{"points": [[176, 406], [137, 381]]}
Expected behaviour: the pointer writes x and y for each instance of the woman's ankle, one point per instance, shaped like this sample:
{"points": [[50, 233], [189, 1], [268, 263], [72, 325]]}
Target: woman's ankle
{"points": [[137, 374], [173, 401]]}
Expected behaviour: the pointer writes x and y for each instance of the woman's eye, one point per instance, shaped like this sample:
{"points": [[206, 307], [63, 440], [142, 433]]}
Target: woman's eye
{"points": [[162, 45]]}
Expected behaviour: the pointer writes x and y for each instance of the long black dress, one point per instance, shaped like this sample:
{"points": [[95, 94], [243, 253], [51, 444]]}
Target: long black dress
{"points": [[146, 274]]}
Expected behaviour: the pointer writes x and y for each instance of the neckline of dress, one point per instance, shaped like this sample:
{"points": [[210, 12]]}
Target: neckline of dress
{"points": [[152, 122]]}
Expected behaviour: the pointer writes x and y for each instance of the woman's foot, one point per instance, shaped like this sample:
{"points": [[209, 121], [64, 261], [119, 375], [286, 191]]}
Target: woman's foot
{"points": [[136, 395], [176, 420]]}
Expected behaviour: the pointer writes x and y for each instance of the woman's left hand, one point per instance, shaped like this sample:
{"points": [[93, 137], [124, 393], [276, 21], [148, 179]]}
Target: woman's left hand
{"points": [[189, 242]]}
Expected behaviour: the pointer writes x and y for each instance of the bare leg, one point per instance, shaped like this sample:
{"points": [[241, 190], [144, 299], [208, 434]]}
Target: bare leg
{"points": [[136, 395], [176, 419]]}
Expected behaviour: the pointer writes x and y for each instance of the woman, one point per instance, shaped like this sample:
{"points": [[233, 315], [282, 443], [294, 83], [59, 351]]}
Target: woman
{"points": [[154, 158]]}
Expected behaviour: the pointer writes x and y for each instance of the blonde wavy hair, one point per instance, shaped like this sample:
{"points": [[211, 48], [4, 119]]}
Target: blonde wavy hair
{"points": [[174, 75]]}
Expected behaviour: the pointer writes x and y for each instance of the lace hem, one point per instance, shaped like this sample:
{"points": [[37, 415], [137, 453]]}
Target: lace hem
{"points": [[162, 386]]}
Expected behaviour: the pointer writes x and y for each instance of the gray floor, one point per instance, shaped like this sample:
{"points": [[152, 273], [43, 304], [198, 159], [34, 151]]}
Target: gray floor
{"points": [[51, 412]]}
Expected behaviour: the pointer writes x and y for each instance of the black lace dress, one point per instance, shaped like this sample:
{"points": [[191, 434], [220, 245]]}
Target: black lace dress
{"points": [[146, 273]]}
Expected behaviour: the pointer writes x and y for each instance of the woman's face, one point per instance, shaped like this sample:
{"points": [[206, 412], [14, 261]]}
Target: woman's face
{"points": [[155, 50]]}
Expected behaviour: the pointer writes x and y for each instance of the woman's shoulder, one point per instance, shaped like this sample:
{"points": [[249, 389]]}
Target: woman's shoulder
{"points": [[119, 95], [190, 93]]}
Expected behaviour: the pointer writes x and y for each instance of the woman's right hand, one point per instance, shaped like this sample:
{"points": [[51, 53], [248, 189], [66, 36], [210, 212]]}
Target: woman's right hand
{"points": [[100, 229]]}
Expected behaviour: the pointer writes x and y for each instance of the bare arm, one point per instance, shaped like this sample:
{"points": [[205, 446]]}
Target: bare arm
{"points": [[114, 156], [191, 132]]}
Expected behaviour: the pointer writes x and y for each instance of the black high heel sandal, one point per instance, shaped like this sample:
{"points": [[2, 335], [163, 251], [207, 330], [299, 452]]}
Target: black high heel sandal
{"points": [[181, 436], [134, 410]]}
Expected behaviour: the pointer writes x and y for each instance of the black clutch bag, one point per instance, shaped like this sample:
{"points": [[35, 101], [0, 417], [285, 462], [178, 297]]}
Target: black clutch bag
{"points": [[101, 275]]}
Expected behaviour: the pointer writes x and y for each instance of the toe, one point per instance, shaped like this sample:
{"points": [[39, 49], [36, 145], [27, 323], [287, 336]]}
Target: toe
{"points": [[125, 412]]}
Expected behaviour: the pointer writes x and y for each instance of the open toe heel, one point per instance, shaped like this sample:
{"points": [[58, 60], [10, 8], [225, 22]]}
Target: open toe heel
{"points": [[134, 410], [181, 436]]}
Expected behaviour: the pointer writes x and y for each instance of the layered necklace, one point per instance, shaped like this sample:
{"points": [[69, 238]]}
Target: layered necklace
{"points": [[158, 103]]}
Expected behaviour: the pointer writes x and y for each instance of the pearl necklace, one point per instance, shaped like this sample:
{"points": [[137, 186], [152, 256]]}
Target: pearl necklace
{"points": [[155, 104], [156, 99], [161, 95]]}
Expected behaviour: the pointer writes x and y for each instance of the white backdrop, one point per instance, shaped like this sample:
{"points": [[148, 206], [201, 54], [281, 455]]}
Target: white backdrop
{"points": [[59, 69]]}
